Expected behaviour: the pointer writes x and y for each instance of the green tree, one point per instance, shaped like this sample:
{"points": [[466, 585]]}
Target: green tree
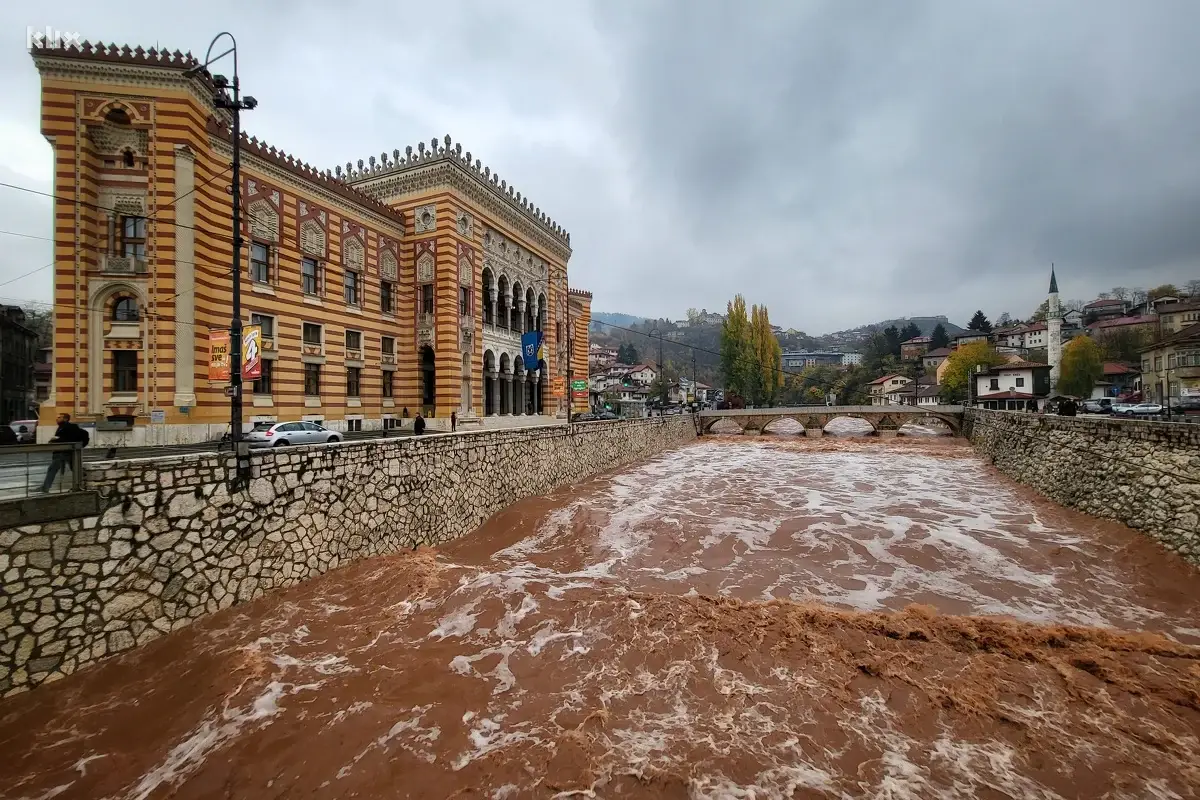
{"points": [[1082, 365], [961, 365], [892, 336], [939, 337], [979, 323], [1004, 320], [41, 322], [736, 349], [910, 331]]}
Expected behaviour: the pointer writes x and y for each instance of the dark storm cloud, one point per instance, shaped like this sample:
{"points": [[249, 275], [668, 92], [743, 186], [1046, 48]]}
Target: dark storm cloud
{"points": [[843, 161], [943, 152]]}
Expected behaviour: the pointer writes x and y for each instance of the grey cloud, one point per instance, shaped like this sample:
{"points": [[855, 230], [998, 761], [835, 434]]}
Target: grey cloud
{"points": [[843, 161]]}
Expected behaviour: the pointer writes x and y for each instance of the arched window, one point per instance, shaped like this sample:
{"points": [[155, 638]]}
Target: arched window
{"points": [[124, 309], [127, 157]]}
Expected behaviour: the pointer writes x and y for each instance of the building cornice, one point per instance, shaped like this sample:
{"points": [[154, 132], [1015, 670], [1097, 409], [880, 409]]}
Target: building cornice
{"points": [[136, 69], [390, 223], [449, 166]]}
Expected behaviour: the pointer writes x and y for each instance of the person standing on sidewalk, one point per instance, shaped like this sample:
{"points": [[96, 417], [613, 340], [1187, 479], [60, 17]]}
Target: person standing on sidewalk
{"points": [[419, 424], [67, 432], [453, 421]]}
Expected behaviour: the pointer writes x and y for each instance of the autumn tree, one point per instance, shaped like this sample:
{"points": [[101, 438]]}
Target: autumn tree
{"points": [[960, 366], [1120, 293], [1082, 365], [939, 337], [1004, 320], [1166, 290], [1123, 343], [980, 323], [767, 357], [1193, 288], [736, 348]]}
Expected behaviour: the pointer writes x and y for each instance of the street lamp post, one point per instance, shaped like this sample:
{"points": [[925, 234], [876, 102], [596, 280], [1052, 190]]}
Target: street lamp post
{"points": [[235, 104]]}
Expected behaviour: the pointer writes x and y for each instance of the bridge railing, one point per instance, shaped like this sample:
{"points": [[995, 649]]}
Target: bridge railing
{"points": [[24, 469]]}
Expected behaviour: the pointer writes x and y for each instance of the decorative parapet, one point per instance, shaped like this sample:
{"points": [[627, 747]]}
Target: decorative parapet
{"points": [[322, 178], [367, 176]]}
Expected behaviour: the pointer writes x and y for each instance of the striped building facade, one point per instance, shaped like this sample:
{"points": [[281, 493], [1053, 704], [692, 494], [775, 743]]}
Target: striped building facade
{"points": [[383, 289]]}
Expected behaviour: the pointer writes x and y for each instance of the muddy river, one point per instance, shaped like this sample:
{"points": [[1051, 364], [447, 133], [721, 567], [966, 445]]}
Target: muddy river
{"points": [[739, 618]]}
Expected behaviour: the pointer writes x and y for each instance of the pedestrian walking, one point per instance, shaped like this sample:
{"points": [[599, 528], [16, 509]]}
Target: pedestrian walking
{"points": [[453, 421], [419, 424], [67, 432]]}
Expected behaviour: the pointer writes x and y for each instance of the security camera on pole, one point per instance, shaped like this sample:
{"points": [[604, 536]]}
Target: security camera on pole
{"points": [[234, 103]]}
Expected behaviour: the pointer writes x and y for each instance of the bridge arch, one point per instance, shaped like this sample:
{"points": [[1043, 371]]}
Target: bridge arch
{"points": [[928, 425], [785, 426], [723, 425], [867, 427]]}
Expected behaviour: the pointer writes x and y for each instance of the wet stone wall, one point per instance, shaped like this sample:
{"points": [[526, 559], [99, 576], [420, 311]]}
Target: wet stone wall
{"points": [[172, 543], [1143, 474]]}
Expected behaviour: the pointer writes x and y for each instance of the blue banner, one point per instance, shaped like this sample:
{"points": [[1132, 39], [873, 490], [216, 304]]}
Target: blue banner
{"points": [[531, 349]]}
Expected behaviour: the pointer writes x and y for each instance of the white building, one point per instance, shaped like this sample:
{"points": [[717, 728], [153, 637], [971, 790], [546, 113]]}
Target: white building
{"points": [[880, 388], [851, 359]]}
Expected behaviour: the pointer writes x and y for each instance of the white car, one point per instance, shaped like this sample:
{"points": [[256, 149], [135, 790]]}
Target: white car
{"points": [[1145, 409], [282, 434], [1122, 409]]}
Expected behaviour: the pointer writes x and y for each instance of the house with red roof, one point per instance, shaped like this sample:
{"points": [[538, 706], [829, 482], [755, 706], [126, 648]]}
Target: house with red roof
{"points": [[1010, 387]]}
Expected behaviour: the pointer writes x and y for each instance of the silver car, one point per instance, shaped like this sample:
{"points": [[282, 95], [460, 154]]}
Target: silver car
{"points": [[282, 434]]}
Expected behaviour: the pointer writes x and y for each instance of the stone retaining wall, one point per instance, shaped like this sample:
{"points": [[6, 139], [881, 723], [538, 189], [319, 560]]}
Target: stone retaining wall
{"points": [[172, 544], [1144, 474]]}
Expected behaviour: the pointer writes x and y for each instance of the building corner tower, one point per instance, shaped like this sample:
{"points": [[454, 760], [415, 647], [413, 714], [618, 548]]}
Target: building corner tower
{"points": [[1053, 331]]}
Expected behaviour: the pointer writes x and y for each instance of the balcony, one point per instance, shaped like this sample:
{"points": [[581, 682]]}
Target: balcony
{"points": [[122, 265]]}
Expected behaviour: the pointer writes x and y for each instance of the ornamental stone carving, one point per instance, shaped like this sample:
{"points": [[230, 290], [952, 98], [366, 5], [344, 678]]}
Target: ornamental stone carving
{"points": [[465, 224], [263, 221], [353, 254], [387, 266], [425, 218], [312, 239], [466, 275], [128, 205], [425, 268]]}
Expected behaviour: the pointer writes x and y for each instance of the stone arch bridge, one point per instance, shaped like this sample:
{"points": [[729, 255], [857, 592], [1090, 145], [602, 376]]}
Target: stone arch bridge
{"points": [[885, 420]]}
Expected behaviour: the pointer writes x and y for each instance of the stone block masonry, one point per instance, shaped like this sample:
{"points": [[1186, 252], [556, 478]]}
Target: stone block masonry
{"points": [[1143, 474], [172, 544]]}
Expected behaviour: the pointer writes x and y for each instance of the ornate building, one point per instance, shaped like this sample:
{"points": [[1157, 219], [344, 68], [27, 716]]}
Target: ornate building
{"points": [[399, 284]]}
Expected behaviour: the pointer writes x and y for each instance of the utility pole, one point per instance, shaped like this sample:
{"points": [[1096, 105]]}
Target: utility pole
{"points": [[235, 105], [570, 372], [695, 386]]}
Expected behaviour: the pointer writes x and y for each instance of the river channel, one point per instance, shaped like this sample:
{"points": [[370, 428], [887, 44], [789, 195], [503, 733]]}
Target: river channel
{"points": [[767, 617]]}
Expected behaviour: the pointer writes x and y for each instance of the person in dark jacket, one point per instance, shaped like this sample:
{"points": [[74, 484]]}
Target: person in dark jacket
{"points": [[419, 425], [7, 435], [67, 432], [453, 421]]}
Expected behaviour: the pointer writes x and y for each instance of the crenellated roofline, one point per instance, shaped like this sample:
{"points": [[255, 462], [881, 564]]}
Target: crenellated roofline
{"points": [[371, 174]]}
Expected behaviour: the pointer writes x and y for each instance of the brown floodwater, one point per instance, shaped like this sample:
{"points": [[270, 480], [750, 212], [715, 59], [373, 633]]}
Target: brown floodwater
{"points": [[738, 618]]}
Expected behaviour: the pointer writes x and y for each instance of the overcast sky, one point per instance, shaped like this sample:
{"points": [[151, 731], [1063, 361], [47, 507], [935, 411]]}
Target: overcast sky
{"points": [[841, 161]]}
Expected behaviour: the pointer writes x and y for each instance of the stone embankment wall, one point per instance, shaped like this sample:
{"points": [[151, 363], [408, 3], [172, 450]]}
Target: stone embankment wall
{"points": [[1144, 474], [172, 543]]}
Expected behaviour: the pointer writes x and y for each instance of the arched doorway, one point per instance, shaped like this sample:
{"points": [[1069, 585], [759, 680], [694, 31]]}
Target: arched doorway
{"points": [[428, 380], [514, 310], [530, 323], [464, 400], [490, 378], [489, 305], [503, 300], [518, 385]]}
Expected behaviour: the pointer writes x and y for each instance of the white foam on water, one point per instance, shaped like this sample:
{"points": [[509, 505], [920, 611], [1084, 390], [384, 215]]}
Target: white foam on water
{"points": [[81, 764]]}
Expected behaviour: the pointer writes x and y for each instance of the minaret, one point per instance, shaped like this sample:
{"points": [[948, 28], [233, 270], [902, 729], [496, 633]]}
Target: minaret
{"points": [[1053, 331]]}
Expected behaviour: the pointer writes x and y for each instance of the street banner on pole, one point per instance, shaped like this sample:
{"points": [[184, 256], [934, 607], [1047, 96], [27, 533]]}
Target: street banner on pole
{"points": [[531, 349], [218, 355], [252, 352]]}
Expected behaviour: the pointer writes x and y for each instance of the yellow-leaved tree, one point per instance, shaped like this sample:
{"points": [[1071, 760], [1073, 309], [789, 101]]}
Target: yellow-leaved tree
{"points": [[1082, 365], [961, 365], [768, 358], [736, 355]]}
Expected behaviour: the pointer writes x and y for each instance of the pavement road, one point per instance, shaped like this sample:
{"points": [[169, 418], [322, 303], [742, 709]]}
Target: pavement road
{"points": [[21, 473]]}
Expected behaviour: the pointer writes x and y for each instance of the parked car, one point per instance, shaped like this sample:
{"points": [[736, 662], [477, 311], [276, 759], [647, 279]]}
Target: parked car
{"points": [[1097, 407], [1145, 410], [25, 429], [1122, 409], [281, 434]]}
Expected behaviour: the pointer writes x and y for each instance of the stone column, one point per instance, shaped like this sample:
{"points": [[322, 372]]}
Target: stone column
{"points": [[520, 309], [185, 278], [492, 300], [537, 394], [112, 226], [506, 393]]}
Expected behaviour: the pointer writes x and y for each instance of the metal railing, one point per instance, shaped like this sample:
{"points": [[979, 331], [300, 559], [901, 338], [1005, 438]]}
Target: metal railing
{"points": [[29, 469]]}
